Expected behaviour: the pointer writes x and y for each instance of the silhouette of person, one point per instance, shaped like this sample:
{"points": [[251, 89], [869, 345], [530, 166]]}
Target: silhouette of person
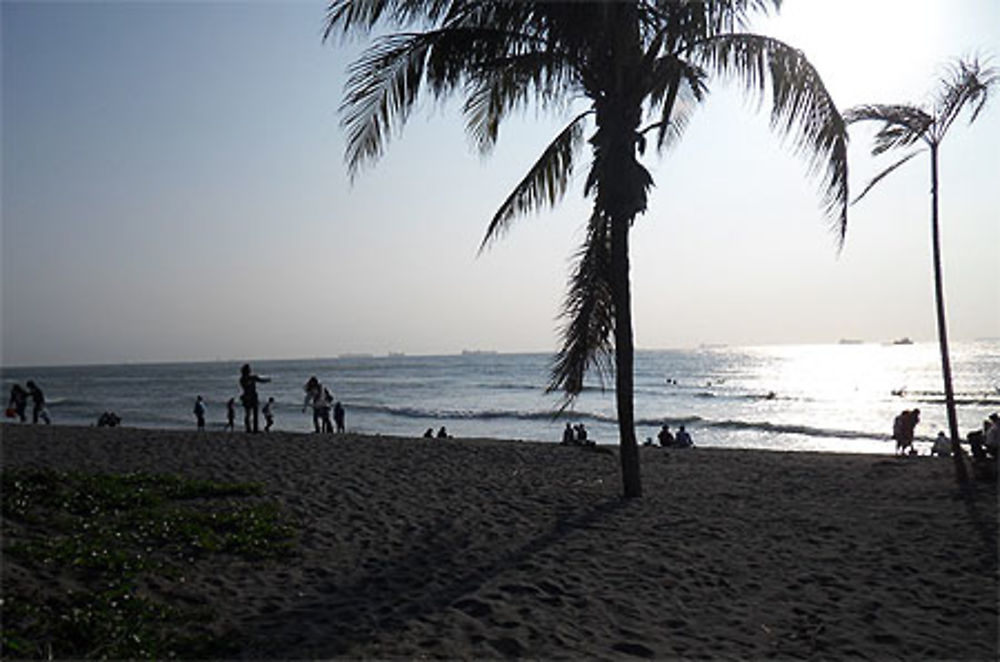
{"points": [[314, 399], [942, 446], [18, 401], [683, 439], [338, 416], [442, 433], [429, 434], [324, 412], [231, 414], [902, 429], [249, 398], [199, 412], [568, 435], [581, 434], [665, 438], [268, 412], [38, 404]]}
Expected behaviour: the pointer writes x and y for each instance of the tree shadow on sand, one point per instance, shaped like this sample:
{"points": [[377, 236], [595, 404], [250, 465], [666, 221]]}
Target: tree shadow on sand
{"points": [[435, 573]]}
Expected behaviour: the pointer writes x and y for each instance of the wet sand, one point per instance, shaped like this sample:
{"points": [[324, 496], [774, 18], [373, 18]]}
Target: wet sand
{"points": [[478, 549]]}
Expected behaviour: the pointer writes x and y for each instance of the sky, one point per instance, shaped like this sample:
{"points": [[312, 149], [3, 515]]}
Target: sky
{"points": [[174, 188]]}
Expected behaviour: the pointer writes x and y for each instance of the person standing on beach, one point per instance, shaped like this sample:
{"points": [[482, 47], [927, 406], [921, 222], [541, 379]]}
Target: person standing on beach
{"points": [[199, 412], [249, 398], [231, 415], [314, 399], [338, 416], [18, 402], [268, 414], [38, 401], [903, 427]]}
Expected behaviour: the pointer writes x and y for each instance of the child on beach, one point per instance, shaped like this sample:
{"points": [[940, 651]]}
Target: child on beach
{"points": [[338, 416], [268, 414], [199, 412], [231, 415]]}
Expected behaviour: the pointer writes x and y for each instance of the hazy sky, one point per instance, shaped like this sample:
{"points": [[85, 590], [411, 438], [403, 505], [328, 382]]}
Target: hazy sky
{"points": [[174, 189]]}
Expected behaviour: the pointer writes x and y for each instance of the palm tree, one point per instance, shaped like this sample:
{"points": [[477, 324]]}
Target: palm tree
{"points": [[966, 84], [630, 60]]}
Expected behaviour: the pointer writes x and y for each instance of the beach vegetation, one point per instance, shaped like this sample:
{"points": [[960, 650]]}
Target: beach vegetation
{"points": [[627, 76], [96, 544], [966, 86]]}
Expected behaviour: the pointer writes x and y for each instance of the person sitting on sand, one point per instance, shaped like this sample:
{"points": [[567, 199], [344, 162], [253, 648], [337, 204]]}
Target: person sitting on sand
{"points": [[992, 428], [683, 439], [442, 433], [109, 419], [665, 437], [429, 434], [569, 437], [942, 446]]}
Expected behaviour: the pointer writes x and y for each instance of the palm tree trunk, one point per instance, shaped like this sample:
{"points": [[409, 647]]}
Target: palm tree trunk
{"points": [[949, 395], [624, 357]]}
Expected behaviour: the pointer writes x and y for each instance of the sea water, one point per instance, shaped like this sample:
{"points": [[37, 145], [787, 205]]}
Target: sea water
{"points": [[839, 397]]}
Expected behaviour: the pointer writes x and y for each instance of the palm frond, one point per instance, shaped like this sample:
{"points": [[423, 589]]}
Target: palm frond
{"points": [[801, 106], [882, 175], [361, 16], [677, 87], [967, 84], [506, 84], [589, 311], [384, 83], [902, 125], [546, 181]]}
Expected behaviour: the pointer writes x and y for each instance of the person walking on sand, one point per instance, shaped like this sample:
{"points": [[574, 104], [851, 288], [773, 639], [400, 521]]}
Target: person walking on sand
{"points": [[231, 415], [199, 412], [324, 412], [249, 398], [268, 412], [18, 402], [38, 409]]}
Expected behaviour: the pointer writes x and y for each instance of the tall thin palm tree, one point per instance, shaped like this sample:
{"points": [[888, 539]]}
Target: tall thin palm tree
{"points": [[966, 85], [642, 66]]}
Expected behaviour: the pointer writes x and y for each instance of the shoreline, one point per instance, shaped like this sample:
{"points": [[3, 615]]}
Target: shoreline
{"points": [[486, 548]]}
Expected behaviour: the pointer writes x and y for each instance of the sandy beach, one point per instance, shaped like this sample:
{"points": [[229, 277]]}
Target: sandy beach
{"points": [[485, 549]]}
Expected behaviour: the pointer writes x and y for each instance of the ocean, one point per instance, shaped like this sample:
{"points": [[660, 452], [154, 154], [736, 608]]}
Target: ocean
{"points": [[840, 397]]}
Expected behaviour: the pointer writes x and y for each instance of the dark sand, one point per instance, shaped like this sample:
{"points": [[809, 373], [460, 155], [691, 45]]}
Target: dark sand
{"points": [[478, 549]]}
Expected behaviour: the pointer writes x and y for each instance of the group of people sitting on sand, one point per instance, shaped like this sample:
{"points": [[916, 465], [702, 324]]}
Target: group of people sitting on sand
{"points": [[668, 439], [576, 435]]}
